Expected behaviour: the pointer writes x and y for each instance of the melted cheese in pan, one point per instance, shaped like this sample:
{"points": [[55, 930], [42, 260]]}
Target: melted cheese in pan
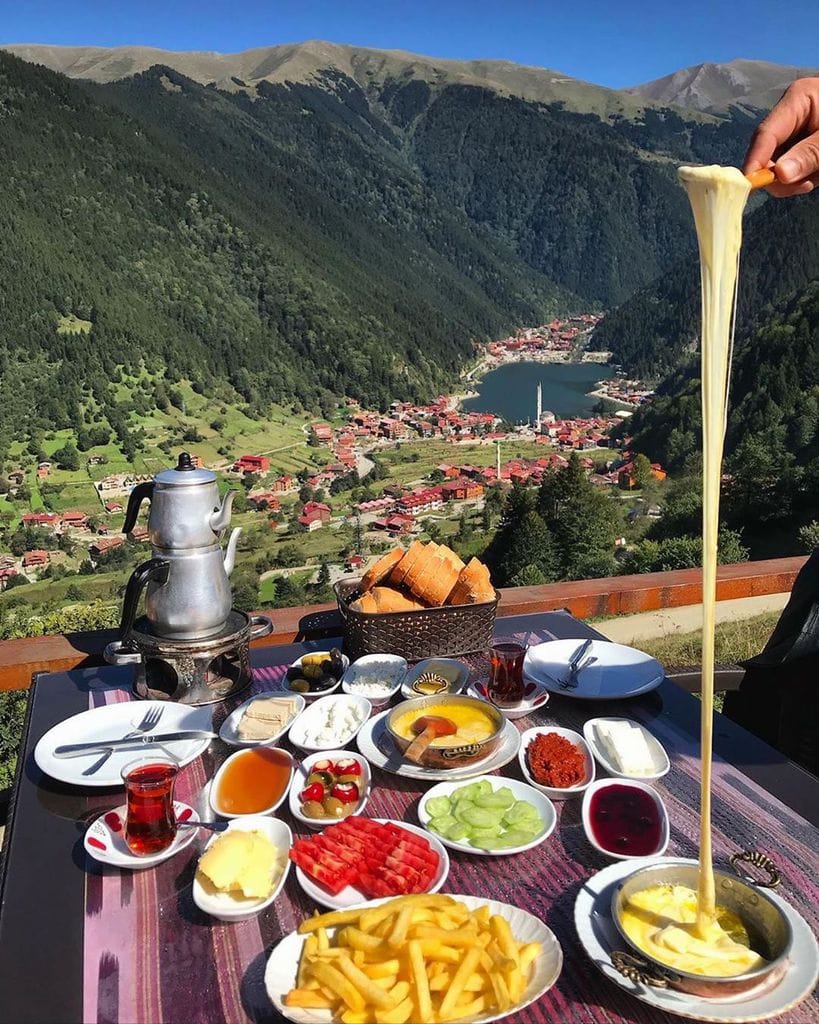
{"points": [[662, 921]]}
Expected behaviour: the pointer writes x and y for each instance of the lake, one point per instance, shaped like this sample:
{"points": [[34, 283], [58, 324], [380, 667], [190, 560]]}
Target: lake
{"points": [[510, 391]]}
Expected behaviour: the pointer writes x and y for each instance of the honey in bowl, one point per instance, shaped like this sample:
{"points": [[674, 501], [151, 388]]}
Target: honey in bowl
{"points": [[474, 725], [253, 781]]}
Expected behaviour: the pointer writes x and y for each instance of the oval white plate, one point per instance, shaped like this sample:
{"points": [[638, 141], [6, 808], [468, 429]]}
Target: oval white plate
{"points": [[554, 792], [385, 668], [225, 907], [664, 826], [350, 896], [528, 706], [312, 715], [608, 671], [300, 781], [105, 839], [109, 722], [520, 790], [230, 727], [315, 695], [599, 936], [282, 966], [656, 749], [455, 672], [376, 744], [214, 789]]}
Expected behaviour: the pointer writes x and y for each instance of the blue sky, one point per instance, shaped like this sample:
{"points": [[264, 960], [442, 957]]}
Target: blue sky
{"points": [[611, 42]]}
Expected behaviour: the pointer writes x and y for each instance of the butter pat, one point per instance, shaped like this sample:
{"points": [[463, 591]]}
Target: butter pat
{"points": [[625, 746], [242, 863]]}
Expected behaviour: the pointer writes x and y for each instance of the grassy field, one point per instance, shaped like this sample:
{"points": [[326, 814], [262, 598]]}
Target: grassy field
{"points": [[735, 641]]}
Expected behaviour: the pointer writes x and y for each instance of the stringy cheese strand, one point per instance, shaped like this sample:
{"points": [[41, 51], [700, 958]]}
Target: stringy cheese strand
{"points": [[717, 196]]}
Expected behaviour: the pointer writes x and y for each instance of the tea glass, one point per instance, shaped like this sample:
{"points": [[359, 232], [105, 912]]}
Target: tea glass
{"points": [[505, 687], [150, 820]]}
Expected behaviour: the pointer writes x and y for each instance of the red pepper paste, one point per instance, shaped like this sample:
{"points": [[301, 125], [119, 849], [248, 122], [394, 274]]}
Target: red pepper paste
{"points": [[555, 761]]}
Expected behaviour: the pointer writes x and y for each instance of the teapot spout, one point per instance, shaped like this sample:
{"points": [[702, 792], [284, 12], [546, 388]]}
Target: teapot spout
{"points": [[230, 551], [221, 517]]}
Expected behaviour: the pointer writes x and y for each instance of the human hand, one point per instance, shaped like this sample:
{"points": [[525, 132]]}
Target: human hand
{"points": [[788, 141]]}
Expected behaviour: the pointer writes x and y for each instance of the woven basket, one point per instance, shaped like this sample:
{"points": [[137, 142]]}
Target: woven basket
{"points": [[431, 632]]}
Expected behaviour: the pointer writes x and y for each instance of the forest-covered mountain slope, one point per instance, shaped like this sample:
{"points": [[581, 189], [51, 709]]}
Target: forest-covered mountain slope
{"points": [[310, 238], [657, 329]]}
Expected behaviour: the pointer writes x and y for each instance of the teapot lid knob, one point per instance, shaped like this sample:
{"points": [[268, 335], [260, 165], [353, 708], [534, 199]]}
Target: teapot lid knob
{"points": [[184, 463]]}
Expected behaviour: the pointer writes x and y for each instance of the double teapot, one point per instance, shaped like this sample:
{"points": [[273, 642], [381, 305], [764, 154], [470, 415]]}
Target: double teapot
{"points": [[187, 591]]}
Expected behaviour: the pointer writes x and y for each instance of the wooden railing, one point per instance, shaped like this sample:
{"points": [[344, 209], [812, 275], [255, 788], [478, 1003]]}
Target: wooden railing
{"points": [[616, 595]]}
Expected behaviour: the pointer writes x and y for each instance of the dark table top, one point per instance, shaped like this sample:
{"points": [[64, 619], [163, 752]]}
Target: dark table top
{"points": [[48, 888]]}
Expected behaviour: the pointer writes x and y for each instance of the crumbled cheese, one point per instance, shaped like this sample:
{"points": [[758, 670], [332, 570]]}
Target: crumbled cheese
{"points": [[333, 724]]}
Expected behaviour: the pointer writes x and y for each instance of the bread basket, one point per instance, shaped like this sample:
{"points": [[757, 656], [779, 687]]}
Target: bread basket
{"points": [[443, 632]]}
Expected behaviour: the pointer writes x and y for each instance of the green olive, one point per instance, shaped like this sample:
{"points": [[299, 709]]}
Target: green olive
{"points": [[313, 809], [334, 808], [299, 685]]}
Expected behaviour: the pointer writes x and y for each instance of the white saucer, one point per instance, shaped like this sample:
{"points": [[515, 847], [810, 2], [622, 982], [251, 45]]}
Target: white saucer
{"points": [[526, 707], [599, 936], [377, 746], [105, 839], [350, 896]]}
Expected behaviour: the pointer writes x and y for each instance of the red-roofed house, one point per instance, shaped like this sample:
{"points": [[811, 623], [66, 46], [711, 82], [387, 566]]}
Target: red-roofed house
{"points": [[252, 464], [100, 547], [354, 562], [6, 575], [40, 519], [113, 506], [36, 558], [267, 498], [460, 490], [282, 483], [322, 432], [74, 520], [314, 514]]}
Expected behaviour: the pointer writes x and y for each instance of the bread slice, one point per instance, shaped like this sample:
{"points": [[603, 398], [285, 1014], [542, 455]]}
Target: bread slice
{"points": [[385, 599], [411, 556], [419, 567], [440, 575], [474, 585], [382, 568]]}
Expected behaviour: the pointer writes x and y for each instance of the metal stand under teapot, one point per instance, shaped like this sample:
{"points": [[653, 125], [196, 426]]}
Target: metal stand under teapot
{"points": [[191, 645]]}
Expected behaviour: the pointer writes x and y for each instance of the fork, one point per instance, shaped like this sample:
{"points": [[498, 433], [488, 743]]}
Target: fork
{"points": [[570, 682], [149, 720]]}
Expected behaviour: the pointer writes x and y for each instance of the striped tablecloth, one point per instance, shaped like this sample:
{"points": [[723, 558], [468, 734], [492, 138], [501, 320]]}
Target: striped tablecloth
{"points": [[151, 956]]}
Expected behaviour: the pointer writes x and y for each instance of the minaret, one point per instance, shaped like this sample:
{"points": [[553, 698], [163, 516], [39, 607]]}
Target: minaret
{"points": [[498, 444], [539, 405]]}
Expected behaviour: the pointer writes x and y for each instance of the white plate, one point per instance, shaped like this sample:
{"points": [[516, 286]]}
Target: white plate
{"points": [[520, 790], [282, 966], [350, 896], [665, 831], [309, 718], [608, 671], [225, 907], [554, 792], [214, 788], [455, 672], [230, 727], [105, 839], [109, 722], [599, 936], [656, 749], [316, 694], [300, 781], [528, 706], [384, 668], [376, 744]]}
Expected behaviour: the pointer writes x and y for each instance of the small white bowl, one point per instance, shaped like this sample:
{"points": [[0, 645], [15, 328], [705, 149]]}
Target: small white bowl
{"points": [[383, 668], [520, 791], [214, 789], [655, 748], [230, 727], [557, 793], [225, 907], [455, 672], [300, 781], [308, 720], [665, 830], [316, 694]]}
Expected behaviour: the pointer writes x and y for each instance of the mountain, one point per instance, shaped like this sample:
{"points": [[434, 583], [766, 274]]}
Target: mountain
{"points": [[308, 62], [739, 86]]}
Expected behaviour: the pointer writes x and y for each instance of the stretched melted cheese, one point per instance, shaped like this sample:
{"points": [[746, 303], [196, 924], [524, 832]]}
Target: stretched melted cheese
{"points": [[717, 196], [662, 921]]}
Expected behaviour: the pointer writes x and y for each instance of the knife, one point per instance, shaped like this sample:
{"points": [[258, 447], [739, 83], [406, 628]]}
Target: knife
{"points": [[574, 661], [74, 749]]}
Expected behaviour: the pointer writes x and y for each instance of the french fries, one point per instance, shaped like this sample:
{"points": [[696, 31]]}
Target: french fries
{"points": [[415, 958]]}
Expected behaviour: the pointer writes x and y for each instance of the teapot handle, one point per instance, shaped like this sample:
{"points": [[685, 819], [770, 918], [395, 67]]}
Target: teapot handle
{"points": [[156, 569], [137, 496]]}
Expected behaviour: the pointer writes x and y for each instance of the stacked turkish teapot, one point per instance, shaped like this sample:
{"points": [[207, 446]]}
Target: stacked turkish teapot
{"points": [[187, 592]]}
